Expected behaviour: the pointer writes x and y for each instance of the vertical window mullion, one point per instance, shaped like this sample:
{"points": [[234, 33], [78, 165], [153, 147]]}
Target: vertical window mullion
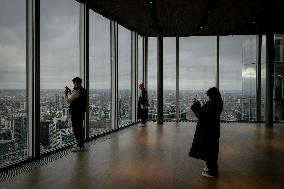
{"points": [[133, 75], [177, 80], [33, 76], [84, 56], [114, 88], [217, 61]]}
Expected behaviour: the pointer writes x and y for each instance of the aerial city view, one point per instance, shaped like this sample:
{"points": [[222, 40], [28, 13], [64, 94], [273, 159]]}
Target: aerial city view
{"points": [[55, 123]]}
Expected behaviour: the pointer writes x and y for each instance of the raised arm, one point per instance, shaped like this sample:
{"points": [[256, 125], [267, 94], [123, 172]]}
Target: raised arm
{"points": [[74, 94], [196, 108]]}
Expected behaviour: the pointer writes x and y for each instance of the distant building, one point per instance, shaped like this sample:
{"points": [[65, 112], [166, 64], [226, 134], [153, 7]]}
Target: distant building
{"points": [[7, 149], [19, 124], [248, 100], [44, 133], [7, 145]]}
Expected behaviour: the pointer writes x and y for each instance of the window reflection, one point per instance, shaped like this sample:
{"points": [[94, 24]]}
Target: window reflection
{"points": [[124, 77], [100, 76], [152, 78], [279, 78], [140, 59], [59, 40], [169, 99], [197, 71], [13, 103], [238, 77]]}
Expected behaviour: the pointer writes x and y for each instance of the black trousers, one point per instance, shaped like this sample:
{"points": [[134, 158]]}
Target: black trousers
{"points": [[78, 130], [212, 166]]}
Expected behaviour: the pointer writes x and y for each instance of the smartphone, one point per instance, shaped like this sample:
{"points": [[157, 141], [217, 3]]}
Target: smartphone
{"points": [[68, 90], [195, 99]]}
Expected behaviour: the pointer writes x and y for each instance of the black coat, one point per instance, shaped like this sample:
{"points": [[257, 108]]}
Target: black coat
{"points": [[205, 144], [78, 106], [142, 109]]}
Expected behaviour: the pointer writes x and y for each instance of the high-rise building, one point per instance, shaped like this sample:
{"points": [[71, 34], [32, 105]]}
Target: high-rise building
{"points": [[19, 125], [7, 145], [44, 133], [248, 99]]}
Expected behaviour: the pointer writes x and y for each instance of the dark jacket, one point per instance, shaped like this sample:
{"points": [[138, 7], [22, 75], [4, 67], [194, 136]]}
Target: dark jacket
{"points": [[143, 104], [205, 144], [78, 106]]}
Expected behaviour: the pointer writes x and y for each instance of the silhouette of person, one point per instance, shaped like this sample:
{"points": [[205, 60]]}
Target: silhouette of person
{"points": [[143, 103], [77, 108], [205, 145]]}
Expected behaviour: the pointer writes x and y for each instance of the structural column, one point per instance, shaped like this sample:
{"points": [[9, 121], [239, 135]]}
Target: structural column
{"points": [[134, 71], [145, 62], [84, 57], [269, 79], [177, 80], [160, 79], [33, 77], [114, 73], [217, 62], [258, 78]]}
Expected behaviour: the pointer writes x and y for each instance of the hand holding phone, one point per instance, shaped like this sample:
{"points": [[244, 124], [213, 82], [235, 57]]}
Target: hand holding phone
{"points": [[195, 99], [67, 90]]}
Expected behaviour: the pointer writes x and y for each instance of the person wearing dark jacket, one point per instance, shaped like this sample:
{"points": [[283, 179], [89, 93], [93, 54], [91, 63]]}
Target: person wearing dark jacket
{"points": [[205, 145], [143, 103], [77, 109]]}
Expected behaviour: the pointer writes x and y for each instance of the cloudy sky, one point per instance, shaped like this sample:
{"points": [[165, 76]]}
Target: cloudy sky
{"points": [[60, 52]]}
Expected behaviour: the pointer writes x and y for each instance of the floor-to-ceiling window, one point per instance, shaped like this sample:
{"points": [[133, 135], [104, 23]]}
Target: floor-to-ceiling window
{"points": [[152, 77], [249, 78], [124, 76], [279, 78], [99, 74], [140, 63], [59, 57], [263, 76], [238, 77], [197, 71], [140, 59], [169, 74], [13, 100]]}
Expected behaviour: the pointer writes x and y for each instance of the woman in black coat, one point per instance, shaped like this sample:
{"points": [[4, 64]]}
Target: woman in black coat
{"points": [[142, 109], [205, 145]]}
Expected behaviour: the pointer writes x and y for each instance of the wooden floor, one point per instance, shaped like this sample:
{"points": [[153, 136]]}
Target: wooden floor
{"points": [[251, 156]]}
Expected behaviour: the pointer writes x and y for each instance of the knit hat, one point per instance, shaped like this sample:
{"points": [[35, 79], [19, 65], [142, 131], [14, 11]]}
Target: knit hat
{"points": [[141, 86]]}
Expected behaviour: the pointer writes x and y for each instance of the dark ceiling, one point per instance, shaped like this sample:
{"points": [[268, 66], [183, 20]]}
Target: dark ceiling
{"points": [[194, 17]]}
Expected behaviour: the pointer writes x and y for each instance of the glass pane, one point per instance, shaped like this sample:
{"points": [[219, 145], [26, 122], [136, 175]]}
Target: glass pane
{"points": [[140, 59], [197, 71], [238, 77], [263, 77], [124, 77], [152, 78], [13, 99], [59, 40], [279, 78], [169, 74], [100, 76]]}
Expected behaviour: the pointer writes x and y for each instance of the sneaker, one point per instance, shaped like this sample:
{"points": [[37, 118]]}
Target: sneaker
{"points": [[205, 169], [75, 149], [81, 149], [206, 174], [142, 125]]}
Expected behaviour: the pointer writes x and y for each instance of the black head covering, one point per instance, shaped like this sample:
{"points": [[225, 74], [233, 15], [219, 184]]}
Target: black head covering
{"points": [[215, 97], [77, 80]]}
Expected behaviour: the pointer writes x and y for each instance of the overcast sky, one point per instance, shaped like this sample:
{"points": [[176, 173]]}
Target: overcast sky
{"points": [[60, 52]]}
